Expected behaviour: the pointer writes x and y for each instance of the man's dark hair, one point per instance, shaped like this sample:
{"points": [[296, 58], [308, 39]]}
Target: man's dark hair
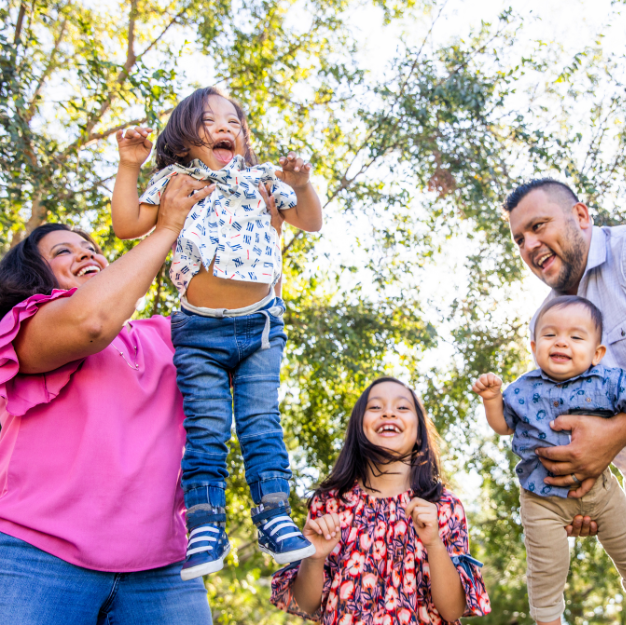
{"points": [[572, 300], [183, 129], [358, 456], [25, 272], [558, 190]]}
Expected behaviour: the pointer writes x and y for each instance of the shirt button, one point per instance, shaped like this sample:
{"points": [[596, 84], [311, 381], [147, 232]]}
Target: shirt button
{"points": [[588, 399], [623, 333], [556, 403]]}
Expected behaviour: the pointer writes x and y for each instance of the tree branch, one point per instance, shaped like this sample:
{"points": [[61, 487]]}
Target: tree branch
{"points": [[131, 59], [97, 136], [19, 24]]}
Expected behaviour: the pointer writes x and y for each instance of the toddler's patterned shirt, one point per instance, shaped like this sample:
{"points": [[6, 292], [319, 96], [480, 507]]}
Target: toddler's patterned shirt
{"points": [[533, 400], [232, 225]]}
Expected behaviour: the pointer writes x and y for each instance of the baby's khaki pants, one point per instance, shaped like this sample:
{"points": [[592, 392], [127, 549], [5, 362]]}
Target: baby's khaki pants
{"points": [[547, 548]]}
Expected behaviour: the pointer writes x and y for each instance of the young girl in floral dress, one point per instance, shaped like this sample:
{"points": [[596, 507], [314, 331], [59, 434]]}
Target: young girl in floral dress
{"points": [[391, 541]]}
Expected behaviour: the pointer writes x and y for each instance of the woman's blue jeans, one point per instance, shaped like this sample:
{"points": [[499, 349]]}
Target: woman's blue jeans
{"points": [[37, 588], [209, 352]]}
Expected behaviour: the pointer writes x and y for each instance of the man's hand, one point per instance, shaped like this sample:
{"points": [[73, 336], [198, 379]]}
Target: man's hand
{"points": [[134, 146], [595, 442], [295, 173], [425, 520], [582, 526], [323, 533], [487, 386]]}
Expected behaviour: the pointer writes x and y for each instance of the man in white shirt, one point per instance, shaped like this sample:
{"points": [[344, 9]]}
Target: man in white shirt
{"points": [[558, 241]]}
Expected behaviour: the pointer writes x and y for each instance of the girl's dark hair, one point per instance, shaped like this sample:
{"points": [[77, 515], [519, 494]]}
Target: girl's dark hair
{"points": [[24, 271], [358, 455], [184, 129]]}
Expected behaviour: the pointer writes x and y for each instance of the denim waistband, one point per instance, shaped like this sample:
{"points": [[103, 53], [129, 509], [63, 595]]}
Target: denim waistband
{"points": [[264, 307], [219, 313]]}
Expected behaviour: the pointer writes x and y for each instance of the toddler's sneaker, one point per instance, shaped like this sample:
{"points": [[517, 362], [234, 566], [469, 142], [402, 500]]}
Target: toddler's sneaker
{"points": [[208, 544], [278, 534]]}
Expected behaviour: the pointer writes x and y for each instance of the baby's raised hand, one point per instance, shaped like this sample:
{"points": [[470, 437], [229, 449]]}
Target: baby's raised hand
{"points": [[323, 533], [133, 145], [487, 386], [295, 173]]}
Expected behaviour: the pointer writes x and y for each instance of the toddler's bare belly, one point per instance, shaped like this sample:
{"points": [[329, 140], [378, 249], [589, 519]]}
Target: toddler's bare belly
{"points": [[207, 291]]}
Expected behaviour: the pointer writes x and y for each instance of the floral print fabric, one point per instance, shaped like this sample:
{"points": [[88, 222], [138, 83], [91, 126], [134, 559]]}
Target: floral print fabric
{"points": [[378, 573]]}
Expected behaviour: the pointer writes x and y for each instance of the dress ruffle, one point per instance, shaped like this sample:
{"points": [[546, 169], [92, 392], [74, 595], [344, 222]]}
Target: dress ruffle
{"points": [[23, 392]]}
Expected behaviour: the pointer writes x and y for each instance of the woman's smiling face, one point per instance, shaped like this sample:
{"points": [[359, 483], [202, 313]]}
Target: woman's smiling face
{"points": [[390, 418], [73, 259]]}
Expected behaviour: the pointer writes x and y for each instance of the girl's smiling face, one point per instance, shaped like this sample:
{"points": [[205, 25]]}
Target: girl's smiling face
{"points": [[223, 134], [73, 259], [390, 418]]}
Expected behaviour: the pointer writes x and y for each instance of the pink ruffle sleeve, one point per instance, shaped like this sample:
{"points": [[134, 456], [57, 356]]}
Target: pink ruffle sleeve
{"points": [[20, 392]]}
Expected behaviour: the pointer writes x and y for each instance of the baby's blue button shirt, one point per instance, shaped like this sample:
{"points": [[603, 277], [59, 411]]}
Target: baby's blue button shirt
{"points": [[533, 400]]}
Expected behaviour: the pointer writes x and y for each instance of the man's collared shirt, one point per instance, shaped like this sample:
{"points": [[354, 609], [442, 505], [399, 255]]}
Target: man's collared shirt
{"points": [[604, 284], [533, 400], [232, 225]]}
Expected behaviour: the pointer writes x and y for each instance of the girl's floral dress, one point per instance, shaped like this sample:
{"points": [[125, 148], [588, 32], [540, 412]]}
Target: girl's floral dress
{"points": [[378, 573]]}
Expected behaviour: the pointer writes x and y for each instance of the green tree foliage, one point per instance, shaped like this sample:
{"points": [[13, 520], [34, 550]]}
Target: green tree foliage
{"points": [[412, 165]]}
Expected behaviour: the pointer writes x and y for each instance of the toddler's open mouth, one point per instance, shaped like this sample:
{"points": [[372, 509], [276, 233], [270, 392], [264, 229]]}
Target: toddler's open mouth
{"points": [[224, 150]]}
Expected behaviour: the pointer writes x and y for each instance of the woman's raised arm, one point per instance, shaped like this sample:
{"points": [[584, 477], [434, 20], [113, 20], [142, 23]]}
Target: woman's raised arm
{"points": [[75, 327]]}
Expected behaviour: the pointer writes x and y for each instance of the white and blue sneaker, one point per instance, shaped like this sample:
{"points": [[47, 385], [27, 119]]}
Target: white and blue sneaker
{"points": [[279, 536], [208, 544]]}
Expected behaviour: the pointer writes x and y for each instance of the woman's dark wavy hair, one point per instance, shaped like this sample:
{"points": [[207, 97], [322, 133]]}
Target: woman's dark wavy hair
{"points": [[358, 455], [184, 129], [25, 272]]}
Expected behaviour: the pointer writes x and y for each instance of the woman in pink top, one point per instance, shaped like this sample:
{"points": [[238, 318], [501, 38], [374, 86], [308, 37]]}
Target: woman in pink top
{"points": [[92, 435]]}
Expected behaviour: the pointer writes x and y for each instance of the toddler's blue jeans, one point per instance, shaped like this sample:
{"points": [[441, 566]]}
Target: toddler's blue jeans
{"points": [[209, 350]]}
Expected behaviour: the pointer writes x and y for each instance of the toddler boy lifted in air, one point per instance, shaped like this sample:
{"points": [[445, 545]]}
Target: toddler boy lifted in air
{"points": [[567, 347]]}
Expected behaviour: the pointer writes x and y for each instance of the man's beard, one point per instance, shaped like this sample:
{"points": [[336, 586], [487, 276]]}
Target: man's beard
{"points": [[572, 260]]}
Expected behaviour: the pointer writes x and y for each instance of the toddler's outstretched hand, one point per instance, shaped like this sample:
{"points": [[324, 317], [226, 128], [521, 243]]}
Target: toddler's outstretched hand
{"points": [[323, 533], [295, 173], [134, 145], [425, 520], [487, 386]]}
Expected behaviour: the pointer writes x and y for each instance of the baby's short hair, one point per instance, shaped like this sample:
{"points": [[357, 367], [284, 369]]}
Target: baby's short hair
{"points": [[563, 301]]}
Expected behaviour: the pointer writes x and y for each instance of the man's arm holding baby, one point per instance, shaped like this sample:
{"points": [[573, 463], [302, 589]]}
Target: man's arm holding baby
{"points": [[307, 214], [489, 387], [595, 442], [131, 219]]}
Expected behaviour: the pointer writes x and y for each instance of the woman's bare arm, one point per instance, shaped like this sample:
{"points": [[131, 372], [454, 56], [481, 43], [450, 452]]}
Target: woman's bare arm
{"points": [[71, 328]]}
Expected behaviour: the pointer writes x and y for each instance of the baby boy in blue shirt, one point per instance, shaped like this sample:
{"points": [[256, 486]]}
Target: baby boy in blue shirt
{"points": [[567, 347]]}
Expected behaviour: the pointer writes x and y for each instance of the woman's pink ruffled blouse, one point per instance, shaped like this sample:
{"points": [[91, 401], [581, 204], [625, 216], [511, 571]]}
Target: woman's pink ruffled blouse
{"points": [[378, 573], [90, 453]]}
